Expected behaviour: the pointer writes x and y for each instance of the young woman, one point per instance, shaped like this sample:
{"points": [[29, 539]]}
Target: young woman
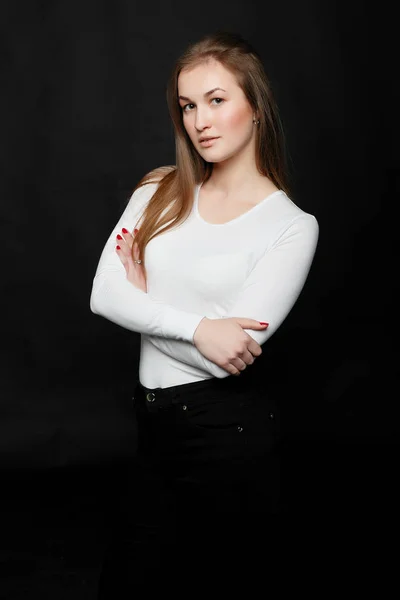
{"points": [[206, 262]]}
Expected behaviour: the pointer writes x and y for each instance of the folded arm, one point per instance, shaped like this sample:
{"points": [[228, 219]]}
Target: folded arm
{"points": [[268, 294], [116, 299]]}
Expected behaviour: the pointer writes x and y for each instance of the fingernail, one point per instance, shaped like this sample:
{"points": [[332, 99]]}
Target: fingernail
{"points": [[124, 230], [262, 323], [118, 247], [135, 231], [119, 237]]}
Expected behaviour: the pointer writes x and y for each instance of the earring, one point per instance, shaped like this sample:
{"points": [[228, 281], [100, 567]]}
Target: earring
{"points": [[256, 122]]}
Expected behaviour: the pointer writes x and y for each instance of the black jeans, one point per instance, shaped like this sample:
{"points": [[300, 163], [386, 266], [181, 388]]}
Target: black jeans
{"points": [[207, 477]]}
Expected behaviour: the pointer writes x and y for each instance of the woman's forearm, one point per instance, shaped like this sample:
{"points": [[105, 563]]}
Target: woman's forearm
{"points": [[268, 294]]}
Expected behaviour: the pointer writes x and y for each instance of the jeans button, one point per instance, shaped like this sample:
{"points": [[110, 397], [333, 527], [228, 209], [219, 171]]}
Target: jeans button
{"points": [[239, 428], [150, 397], [184, 407], [271, 415]]}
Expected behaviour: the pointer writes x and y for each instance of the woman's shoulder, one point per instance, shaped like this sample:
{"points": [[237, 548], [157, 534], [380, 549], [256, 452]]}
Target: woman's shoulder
{"points": [[156, 175], [288, 208], [287, 219], [148, 184]]}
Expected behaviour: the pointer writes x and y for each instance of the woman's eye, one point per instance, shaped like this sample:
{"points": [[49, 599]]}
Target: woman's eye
{"points": [[189, 107]]}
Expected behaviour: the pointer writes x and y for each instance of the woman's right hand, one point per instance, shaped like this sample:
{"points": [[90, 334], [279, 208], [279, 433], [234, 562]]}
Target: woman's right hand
{"points": [[225, 343]]}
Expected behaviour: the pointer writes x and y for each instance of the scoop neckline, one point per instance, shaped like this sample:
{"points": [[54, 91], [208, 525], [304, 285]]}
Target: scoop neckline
{"points": [[238, 218]]}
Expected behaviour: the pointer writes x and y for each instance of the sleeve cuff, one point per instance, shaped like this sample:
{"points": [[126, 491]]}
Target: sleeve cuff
{"points": [[180, 325]]}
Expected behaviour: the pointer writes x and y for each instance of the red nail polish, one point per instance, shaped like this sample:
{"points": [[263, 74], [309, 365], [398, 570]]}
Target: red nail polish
{"points": [[135, 231], [124, 230], [262, 323], [118, 247], [119, 237]]}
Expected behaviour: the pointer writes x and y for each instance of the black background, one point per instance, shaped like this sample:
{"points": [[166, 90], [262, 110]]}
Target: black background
{"points": [[83, 117]]}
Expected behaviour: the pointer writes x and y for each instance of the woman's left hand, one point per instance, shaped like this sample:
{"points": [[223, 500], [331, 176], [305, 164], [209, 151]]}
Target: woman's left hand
{"points": [[134, 271]]}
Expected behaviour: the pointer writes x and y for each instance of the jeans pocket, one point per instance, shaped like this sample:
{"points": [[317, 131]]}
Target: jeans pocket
{"points": [[260, 415], [213, 414]]}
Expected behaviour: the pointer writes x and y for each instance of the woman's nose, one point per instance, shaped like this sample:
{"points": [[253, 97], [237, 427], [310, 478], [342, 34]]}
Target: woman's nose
{"points": [[202, 120]]}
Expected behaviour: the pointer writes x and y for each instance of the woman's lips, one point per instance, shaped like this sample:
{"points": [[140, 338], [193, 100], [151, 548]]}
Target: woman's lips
{"points": [[209, 142]]}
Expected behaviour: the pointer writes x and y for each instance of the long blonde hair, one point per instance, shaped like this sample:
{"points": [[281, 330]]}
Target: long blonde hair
{"points": [[174, 194]]}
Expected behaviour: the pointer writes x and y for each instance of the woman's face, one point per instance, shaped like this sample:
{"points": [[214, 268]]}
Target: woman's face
{"points": [[214, 106]]}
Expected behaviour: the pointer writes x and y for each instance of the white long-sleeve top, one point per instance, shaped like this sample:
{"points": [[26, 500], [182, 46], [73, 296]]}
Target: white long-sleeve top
{"points": [[253, 266]]}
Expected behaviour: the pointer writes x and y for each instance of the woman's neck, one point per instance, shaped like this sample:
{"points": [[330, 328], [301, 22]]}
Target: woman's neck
{"points": [[234, 176]]}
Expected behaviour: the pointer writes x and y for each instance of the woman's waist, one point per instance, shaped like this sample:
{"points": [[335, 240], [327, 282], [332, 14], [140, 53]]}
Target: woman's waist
{"points": [[206, 390], [159, 370]]}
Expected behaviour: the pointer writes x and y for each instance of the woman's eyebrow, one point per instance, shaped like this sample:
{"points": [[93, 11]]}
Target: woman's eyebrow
{"points": [[205, 95]]}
